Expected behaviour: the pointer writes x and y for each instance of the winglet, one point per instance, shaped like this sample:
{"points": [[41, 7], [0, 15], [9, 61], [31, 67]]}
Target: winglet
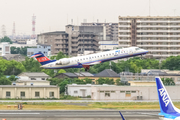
{"points": [[121, 115]]}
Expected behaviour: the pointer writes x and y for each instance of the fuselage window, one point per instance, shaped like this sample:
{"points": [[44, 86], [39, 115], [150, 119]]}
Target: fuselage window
{"points": [[112, 53], [89, 57], [109, 53], [77, 59], [106, 54], [80, 59], [97, 56], [94, 56], [103, 55], [83, 58], [86, 58]]}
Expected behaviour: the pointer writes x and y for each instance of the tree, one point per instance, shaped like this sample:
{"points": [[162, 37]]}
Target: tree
{"points": [[3, 66], [87, 80], [18, 50], [13, 68], [105, 81], [6, 39], [12, 78], [60, 55], [61, 71], [62, 86], [118, 82], [168, 81], [49, 72], [171, 63], [31, 65], [4, 81]]}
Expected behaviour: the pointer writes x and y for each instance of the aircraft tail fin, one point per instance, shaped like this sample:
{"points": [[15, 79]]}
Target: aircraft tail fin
{"points": [[121, 115], [41, 58], [166, 105]]}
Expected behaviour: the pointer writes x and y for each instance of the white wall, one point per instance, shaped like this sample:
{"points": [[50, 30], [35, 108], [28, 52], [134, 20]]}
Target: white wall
{"points": [[79, 89], [147, 93]]}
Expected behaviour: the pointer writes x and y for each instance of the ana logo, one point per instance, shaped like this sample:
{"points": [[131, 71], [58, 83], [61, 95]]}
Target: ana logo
{"points": [[164, 96]]}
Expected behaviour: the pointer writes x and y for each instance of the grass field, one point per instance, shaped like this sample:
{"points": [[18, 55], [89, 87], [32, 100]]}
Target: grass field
{"points": [[85, 106]]}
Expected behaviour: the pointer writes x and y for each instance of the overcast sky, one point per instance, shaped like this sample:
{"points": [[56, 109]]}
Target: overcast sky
{"points": [[53, 15]]}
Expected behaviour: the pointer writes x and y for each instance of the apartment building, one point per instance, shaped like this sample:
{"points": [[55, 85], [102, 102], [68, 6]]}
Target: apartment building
{"points": [[4, 48], [110, 28], [74, 40], [160, 35]]}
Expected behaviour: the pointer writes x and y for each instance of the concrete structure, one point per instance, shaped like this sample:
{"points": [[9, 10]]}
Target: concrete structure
{"points": [[111, 30], [17, 57], [108, 45], [148, 79], [22, 45], [4, 48], [159, 35], [80, 90], [30, 86], [31, 41], [131, 92], [45, 49], [75, 40], [28, 91]]}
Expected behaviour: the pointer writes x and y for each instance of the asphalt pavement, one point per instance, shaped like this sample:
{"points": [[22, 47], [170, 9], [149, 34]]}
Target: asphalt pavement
{"points": [[83, 114]]}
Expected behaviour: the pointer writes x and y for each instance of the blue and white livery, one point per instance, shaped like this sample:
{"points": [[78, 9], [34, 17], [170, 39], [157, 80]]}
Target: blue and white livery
{"points": [[168, 110], [88, 60]]}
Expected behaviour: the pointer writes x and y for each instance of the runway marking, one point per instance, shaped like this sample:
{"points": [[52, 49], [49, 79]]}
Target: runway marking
{"points": [[19, 113]]}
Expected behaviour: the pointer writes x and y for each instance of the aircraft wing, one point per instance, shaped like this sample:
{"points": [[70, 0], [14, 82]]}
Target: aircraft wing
{"points": [[93, 63]]}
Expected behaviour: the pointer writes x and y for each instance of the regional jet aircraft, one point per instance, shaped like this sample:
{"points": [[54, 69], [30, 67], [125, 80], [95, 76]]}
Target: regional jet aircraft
{"points": [[168, 110], [88, 60]]}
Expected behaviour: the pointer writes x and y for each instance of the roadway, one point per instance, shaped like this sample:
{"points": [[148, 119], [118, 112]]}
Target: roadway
{"points": [[77, 115]]}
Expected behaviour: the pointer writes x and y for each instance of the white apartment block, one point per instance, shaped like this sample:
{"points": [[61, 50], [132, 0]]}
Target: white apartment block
{"points": [[4, 48], [160, 35]]}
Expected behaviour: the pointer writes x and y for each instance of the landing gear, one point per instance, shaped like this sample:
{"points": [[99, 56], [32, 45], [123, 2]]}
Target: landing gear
{"points": [[86, 67]]}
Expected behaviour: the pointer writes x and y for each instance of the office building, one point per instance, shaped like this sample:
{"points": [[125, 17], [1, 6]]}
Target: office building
{"points": [[110, 28], [160, 35], [75, 40]]}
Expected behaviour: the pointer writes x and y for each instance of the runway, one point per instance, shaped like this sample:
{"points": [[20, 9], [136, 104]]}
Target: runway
{"points": [[77, 115]]}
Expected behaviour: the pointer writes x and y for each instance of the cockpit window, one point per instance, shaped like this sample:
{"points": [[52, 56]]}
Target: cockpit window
{"points": [[137, 49]]}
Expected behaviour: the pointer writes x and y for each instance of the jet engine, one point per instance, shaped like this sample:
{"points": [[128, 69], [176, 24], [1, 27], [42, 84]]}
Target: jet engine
{"points": [[63, 61]]}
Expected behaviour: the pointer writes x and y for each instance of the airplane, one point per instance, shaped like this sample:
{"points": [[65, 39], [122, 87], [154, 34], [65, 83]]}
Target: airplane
{"points": [[88, 60], [167, 108]]}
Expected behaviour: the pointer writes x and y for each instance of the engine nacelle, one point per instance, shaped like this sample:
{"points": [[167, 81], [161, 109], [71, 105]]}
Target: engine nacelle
{"points": [[63, 61]]}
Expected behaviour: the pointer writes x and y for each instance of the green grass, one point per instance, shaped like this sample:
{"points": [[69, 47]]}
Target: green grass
{"points": [[89, 106]]}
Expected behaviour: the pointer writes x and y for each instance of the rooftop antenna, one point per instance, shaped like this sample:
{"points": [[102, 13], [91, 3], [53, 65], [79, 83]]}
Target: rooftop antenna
{"points": [[33, 27], [71, 21], [14, 31], [3, 30]]}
